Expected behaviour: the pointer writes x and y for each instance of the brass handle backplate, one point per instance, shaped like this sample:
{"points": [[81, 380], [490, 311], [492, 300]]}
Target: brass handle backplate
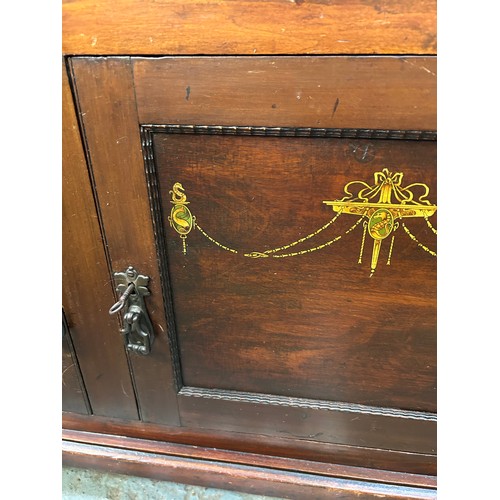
{"points": [[137, 327]]}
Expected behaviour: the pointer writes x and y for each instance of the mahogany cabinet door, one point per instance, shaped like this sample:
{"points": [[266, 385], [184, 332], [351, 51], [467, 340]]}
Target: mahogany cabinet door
{"points": [[285, 211]]}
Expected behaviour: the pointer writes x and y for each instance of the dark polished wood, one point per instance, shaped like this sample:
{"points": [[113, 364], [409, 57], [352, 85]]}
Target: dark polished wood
{"points": [[275, 446], [312, 326], [308, 348], [343, 92], [281, 463], [258, 475], [107, 107], [299, 377], [74, 397], [86, 285], [248, 27], [357, 427]]}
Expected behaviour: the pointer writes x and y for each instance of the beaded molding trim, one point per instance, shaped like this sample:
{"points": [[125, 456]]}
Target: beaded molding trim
{"points": [[312, 404]]}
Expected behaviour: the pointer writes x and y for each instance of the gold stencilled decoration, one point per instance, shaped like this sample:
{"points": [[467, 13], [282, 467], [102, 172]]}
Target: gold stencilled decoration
{"points": [[383, 213], [220, 245], [379, 208], [181, 218]]}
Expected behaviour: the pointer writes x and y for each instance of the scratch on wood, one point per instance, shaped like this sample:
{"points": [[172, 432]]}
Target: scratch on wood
{"points": [[188, 92], [123, 389], [65, 370], [335, 106], [427, 70]]}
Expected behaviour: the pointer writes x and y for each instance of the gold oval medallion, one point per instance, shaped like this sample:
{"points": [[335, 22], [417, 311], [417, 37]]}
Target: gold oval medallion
{"points": [[181, 219], [381, 224]]}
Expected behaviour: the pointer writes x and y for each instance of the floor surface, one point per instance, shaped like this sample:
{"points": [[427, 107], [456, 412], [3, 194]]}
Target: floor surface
{"points": [[84, 484]]}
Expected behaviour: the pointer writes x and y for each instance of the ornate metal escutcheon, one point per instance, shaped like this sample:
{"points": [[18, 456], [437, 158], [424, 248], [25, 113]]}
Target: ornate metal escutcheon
{"points": [[137, 327]]}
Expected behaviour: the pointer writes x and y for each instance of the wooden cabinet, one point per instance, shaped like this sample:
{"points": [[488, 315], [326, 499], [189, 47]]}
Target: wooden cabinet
{"points": [[283, 208]]}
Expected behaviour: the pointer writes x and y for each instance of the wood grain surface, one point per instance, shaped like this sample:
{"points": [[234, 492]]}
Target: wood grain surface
{"points": [[274, 446], [87, 288], [108, 112], [391, 431], [340, 92], [148, 27], [314, 325], [244, 478], [247, 352], [74, 396], [281, 463]]}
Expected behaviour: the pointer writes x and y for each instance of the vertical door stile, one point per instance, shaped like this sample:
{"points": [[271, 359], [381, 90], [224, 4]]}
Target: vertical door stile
{"points": [[107, 106], [86, 285]]}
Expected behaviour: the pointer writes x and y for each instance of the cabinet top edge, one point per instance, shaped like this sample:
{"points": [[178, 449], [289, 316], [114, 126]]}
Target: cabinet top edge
{"points": [[248, 27]]}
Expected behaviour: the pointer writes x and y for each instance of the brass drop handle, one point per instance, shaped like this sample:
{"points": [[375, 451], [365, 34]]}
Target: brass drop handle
{"points": [[137, 327]]}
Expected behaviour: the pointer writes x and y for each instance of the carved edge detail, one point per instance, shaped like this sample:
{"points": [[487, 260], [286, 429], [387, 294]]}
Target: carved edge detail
{"points": [[340, 133], [156, 215], [312, 404]]}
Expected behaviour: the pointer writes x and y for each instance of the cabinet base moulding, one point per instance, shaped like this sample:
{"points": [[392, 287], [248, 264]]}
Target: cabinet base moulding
{"points": [[231, 470]]}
